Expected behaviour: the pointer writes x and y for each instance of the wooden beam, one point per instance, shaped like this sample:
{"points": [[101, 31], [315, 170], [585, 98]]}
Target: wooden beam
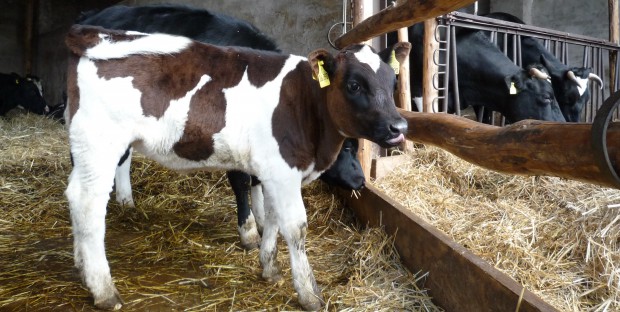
{"points": [[457, 279], [528, 147], [399, 16]]}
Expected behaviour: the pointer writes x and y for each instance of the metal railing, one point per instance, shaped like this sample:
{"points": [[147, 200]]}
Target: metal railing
{"points": [[568, 48]]}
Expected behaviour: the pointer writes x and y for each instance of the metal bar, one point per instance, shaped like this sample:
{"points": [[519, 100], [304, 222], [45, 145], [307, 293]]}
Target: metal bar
{"points": [[446, 78], [455, 80], [479, 22]]}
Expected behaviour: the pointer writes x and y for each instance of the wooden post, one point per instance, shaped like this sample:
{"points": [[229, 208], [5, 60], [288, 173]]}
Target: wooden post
{"points": [[430, 69], [614, 36], [404, 91], [29, 36], [361, 10]]}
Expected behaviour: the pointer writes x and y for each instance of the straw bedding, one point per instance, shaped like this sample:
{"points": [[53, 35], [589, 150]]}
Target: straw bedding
{"points": [[179, 249], [558, 238]]}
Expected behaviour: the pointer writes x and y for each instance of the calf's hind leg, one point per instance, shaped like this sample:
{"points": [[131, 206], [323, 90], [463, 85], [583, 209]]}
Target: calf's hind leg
{"points": [[90, 184]]}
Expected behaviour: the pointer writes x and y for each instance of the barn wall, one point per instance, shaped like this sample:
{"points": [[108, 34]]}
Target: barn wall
{"points": [[298, 26], [11, 36]]}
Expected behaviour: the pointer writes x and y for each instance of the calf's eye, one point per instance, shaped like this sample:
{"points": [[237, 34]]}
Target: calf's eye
{"points": [[353, 87]]}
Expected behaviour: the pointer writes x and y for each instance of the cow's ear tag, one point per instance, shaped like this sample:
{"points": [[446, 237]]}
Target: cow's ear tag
{"points": [[394, 63], [16, 81], [323, 77], [513, 88]]}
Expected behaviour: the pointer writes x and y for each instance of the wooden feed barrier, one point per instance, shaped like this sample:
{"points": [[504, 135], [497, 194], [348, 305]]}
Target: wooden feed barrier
{"points": [[458, 280]]}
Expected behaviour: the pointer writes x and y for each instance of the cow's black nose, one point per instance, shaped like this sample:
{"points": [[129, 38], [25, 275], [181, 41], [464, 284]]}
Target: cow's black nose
{"points": [[399, 127]]}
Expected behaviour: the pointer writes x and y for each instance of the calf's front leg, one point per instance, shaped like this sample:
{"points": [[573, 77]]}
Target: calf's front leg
{"points": [[284, 206]]}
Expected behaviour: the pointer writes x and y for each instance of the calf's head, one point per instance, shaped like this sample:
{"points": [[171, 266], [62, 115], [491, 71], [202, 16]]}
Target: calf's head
{"points": [[531, 96], [571, 87], [346, 172], [360, 97], [27, 94]]}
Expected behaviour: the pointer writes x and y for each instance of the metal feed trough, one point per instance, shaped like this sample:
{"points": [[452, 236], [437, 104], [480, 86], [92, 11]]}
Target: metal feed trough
{"points": [[459, 280]]}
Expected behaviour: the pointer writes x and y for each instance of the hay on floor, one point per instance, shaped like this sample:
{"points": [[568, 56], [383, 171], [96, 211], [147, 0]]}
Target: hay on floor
{"points": [[558, 238], [179, 249]]}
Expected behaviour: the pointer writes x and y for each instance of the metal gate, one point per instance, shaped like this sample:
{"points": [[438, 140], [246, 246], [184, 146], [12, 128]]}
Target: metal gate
{"points": [[568, 48]]}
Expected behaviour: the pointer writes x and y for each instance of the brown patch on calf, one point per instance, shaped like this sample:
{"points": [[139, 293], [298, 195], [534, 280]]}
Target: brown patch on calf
{"points": [[301, 124], [73, 91]]}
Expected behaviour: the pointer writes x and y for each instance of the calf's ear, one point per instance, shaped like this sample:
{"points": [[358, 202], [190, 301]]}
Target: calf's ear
{"points": [[401, 52], [321, 55]]}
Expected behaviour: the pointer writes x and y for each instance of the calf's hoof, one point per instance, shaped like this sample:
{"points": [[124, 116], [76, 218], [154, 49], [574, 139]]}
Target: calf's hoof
{"points": [[250, 239], [273, 275], [311, 302], [114, 302]]}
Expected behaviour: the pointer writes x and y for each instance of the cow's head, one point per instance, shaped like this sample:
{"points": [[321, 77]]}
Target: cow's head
{"points": [[571, 88], [27, 94], [347, 171], [531, 96], [360, 97]]}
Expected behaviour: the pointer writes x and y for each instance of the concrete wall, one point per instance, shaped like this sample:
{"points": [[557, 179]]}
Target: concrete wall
{"points": [[589, 18]]}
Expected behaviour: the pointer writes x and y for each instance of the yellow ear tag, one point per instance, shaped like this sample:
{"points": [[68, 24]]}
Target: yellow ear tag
{"points": [[323, 76], [394, 63], [16, 81], [513, 89]]}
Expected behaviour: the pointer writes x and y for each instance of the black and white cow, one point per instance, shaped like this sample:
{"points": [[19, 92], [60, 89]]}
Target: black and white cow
{"points": [[218, 29], [198, 24], [487, 78], [570, 84], [24, 92], [187, 105]]}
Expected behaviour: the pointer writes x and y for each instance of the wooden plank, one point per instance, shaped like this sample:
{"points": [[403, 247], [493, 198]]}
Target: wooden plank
{"points": [[382, 166], [528, 147], [457, 279], [399, 16]]}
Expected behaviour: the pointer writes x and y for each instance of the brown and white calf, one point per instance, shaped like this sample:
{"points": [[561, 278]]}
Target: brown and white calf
{"points": [[193, 106]]}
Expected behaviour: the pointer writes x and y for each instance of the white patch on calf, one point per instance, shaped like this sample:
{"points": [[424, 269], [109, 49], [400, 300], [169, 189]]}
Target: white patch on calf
{"points": [[365, 55], [247, 141], [582, 85], [150, 44]]}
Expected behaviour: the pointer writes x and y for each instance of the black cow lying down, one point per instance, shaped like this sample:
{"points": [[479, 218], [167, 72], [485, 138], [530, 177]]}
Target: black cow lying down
{"points": [[121, 92], [218, 29], [24, 92]]}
